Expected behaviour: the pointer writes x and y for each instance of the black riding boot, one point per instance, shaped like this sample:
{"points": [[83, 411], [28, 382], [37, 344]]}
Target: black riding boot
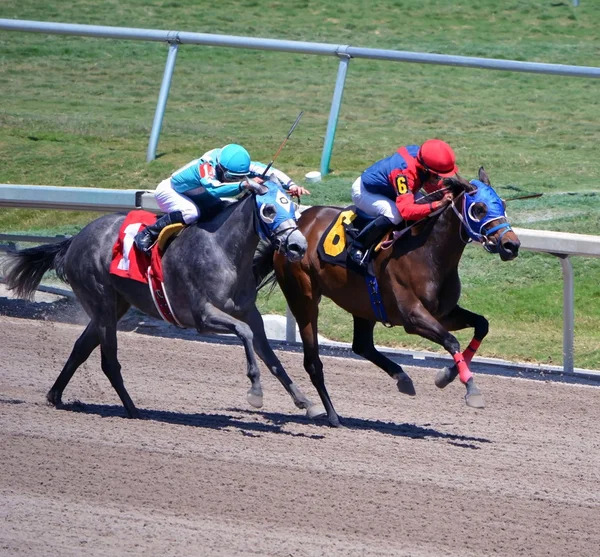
{"points": [[370, 234], [146, 237]]}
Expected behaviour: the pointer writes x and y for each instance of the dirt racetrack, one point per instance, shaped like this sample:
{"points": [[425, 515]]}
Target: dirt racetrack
{"points": [[204, 474]]}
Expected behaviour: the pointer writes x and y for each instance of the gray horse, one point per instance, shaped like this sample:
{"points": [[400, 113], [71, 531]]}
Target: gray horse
{"points": [[208, 277]]}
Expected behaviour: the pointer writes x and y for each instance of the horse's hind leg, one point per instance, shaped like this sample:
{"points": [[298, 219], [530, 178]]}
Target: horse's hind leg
{"points": [[82, 349], [362, 344], [460, 318], [112, 368], [266, 354], [97, 334], [211, 317]]}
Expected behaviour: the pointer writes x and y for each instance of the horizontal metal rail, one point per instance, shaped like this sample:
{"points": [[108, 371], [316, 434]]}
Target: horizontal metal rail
{"points": [[76, 199], [302, 47], [344, 52]]}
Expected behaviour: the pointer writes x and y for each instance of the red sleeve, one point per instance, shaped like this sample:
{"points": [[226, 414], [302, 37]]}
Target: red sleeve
{"points": [[409, 210]]}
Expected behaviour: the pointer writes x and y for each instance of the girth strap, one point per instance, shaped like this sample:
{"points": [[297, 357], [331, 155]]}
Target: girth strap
{"points": [[376, 301]]}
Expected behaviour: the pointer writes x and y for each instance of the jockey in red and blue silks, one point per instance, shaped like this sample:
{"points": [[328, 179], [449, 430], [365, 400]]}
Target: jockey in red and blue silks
{"points": [[386, 190], [202, 183]]}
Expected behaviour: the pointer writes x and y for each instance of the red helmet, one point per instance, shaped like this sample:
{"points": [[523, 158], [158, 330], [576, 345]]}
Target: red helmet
{"points": [[437, 156]]}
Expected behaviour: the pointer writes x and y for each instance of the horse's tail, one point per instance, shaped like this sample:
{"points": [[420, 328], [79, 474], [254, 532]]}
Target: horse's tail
{"points": [[262, 265], [24, 269]]}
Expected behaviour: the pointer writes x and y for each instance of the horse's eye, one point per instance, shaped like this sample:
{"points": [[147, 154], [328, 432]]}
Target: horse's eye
{"points": [[479, 210], [268, 212]]}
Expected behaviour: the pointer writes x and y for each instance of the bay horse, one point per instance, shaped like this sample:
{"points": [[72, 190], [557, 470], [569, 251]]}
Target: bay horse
{"points": [[207, 274], [418, 282]]}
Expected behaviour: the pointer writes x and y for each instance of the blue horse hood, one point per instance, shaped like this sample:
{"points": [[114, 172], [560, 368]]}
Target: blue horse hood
{"points": [[276, 197], [487, 195]]}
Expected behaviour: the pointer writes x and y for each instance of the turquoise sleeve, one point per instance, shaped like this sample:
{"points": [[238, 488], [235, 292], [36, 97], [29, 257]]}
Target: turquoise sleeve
{"points": [[224, 190]]}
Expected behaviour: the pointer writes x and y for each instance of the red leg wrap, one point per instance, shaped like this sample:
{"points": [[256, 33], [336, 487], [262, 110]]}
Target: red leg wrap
{"points": [[471, 349], [463, 369]]}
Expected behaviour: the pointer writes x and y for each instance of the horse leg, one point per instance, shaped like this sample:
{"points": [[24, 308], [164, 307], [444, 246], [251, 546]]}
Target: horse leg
{"points": [[460, 318], [266, 354], [305, 308], [210, 317], [82, 349], [362, 344], [421, 322], [111, 366]]}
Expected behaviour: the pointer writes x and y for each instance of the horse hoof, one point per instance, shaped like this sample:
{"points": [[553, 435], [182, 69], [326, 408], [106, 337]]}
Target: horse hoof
{"points": [[54, 399], [335, 422], [254, 399], [405, 384], [475, 400], [445, 376], [315, 411]]}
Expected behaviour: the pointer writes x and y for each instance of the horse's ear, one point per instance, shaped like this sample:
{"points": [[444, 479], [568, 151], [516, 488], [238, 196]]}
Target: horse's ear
{"points": [[483, 177], [457, 184], [254, 187]]}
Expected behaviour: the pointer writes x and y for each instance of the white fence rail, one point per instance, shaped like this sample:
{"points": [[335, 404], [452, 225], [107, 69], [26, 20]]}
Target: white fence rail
{"points": [[560, 244]]}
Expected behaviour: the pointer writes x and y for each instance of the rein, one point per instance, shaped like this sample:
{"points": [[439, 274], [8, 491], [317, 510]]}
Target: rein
{"points": [[277, 236], [480, 235]]}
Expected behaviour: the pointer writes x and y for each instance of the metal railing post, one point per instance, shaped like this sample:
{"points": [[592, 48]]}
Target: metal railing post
{"points": [[162, 100], [335, 109], [290, 325], [568, 312]]}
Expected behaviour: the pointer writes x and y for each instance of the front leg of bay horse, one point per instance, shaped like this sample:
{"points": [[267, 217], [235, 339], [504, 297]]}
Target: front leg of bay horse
{"points": [[460, 318], [266, 354], [211, 318], [363, 345], [419, 321]]}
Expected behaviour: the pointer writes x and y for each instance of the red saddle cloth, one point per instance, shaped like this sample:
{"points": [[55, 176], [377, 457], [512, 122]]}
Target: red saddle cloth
{"points": [[131, 263]]}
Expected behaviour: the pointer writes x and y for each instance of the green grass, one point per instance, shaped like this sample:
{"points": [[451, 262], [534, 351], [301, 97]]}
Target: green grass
{"points": [[78, 112]]}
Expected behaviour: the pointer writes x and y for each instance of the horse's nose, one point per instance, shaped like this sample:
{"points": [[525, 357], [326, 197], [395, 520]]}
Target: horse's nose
{"points": [[296, 246], [296, 252], [509, 249]]}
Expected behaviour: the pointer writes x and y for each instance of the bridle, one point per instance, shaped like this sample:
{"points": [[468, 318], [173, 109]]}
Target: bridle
{"points": [[278, 236], [476, 228], [281, 235]]}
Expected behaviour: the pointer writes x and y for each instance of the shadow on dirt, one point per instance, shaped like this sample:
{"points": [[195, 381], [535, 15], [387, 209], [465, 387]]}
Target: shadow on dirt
{"points": [[273, 422]]}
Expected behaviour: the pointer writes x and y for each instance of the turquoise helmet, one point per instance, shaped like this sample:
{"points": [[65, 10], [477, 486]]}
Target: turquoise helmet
{"points": [[234, 161]]}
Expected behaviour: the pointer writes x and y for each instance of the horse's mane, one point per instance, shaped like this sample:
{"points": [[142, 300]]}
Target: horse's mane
{"points": [[216, 218], [457, 185]]}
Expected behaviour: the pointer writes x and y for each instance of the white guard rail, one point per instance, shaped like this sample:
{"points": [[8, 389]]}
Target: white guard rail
{"points": [[559, 244]]}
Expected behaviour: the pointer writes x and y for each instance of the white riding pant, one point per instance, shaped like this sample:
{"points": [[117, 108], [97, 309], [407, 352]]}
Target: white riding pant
{"points": [[169, 200], [374, 204]]}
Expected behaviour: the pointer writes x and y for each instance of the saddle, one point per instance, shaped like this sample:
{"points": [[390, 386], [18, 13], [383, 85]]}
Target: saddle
{"points": [[167, 235], [339, 234], [130, 263]]}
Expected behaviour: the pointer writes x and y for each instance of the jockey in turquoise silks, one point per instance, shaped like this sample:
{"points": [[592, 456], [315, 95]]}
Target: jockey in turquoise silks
{"points": [[386, 190], [200, 185]]}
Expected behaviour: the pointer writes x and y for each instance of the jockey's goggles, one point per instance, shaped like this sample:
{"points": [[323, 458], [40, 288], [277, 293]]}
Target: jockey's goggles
{"points": [[229, 176]]}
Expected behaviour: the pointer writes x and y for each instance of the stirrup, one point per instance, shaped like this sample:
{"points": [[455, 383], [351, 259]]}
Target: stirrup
{"points": [[358, 256], [144, 241]]}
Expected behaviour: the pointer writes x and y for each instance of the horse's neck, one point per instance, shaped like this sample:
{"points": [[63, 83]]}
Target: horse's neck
{"points": [[445, 241], [237, 234], [440, 242]]}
